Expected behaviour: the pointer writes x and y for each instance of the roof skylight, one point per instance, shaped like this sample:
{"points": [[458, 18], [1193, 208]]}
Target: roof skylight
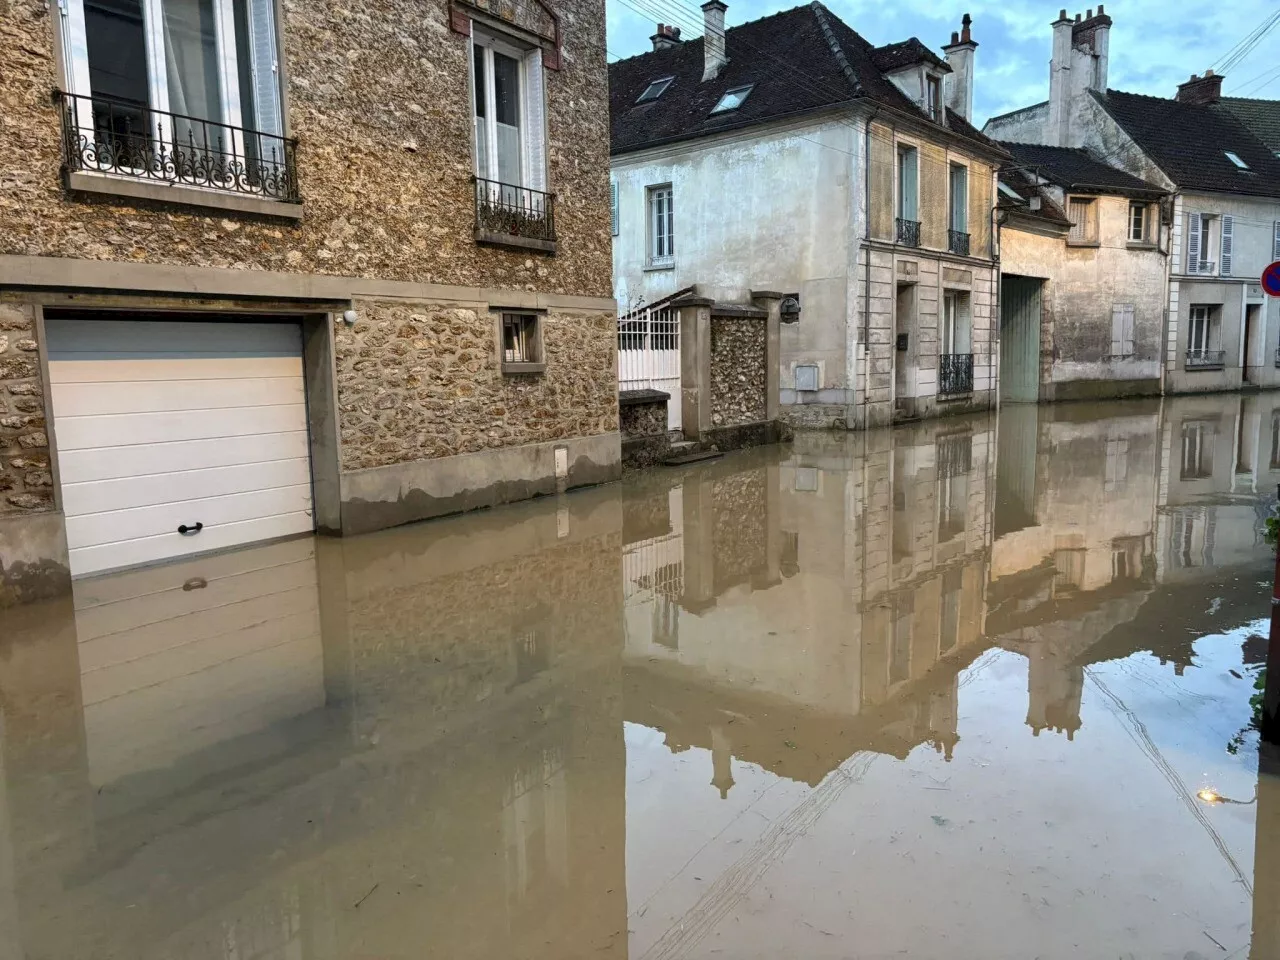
{"points": [[732, 99], [1235, 158], [654, 90]]}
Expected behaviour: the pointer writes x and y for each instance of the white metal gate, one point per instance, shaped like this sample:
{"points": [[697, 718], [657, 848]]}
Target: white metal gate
{"points": [[649, 353]]}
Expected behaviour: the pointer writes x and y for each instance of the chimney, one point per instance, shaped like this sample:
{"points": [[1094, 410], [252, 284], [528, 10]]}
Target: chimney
{"points": [[1206, 89], [958, 85], [666, 37], [1060, 82], [1079, 64], [713, 39], [1091, 41]]}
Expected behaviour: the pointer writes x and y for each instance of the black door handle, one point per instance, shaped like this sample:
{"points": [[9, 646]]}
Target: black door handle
{"points": [[190, 531]]}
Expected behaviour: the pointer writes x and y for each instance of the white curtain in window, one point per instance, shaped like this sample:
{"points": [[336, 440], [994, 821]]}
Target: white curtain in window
{"points": [[192, 70], [535, 122], [506, 101]]}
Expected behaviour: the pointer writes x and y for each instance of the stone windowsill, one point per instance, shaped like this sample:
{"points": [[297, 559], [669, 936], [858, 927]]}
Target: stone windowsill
{"points": [[523, 369], [107, 184], [489, 238], [1140, 245], [652, 265], [949, 397], [1085, 244]]}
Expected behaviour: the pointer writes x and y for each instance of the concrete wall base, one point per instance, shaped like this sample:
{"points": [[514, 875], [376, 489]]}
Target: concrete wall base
{"points": [[1099, 389], [746, 435], [640, 452], [389, 496], [815, 416], [33, 558], [927, 408]]}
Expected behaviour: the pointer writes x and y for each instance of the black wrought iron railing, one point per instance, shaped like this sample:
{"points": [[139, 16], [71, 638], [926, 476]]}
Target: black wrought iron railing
{"points": [[130, 139], [505, 210], [1206, 359], [1278, 368], [955, 373], [958, 243], [909, 232]]}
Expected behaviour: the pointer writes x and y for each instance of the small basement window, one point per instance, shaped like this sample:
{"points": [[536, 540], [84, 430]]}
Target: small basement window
{"points": [[521, 343], [654, 90], [1235, 158], [732, 99]]}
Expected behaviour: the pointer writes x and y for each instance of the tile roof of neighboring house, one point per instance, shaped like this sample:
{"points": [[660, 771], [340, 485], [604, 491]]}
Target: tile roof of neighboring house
{"points": [[904, 53], [1188, 141], [1072, 168], [1262, 117], [795, 61], [1018, 182]]}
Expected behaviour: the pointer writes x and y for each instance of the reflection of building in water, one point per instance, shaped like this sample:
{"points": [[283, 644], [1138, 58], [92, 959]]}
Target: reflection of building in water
{"points": [[1219, 453], [444, 750], [841, 583], [1074, 551]]}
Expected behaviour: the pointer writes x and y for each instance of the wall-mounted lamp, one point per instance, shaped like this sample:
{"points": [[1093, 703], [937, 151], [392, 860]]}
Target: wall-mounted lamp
{"points": [[349, 318]]}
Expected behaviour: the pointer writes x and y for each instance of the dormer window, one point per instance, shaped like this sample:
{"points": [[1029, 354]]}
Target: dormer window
{"points": [[933, 98], [1235, 158], [654, 90], [732, 99]]}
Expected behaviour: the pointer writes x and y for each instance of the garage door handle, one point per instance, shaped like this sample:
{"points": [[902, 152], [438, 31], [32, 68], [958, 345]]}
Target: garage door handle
{"points": [[190, 531]]}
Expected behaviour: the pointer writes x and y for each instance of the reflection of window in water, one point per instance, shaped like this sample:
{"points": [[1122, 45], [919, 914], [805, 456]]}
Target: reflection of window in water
{"points": [[900, 644], [666, 621], [1191, 539], [1117, 470], [902, 531], [1275, 441], [535, 825], [1068, 570], [1127, 554], [806, 480], [789, 561], [531, 656], [1197, 451], [949, 628], [953, 503], [955, 454]]}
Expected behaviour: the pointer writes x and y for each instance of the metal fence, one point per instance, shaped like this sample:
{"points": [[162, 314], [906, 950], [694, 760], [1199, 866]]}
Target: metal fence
{"points": [[130, 139], [955, 373], [1206, 359], [908, 232], [649, 352], [506, 210]]}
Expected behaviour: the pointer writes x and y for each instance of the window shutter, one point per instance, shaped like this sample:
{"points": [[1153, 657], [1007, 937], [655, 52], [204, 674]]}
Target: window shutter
{"points": [[1117, 330], [613, 206], [1228, 229], [535, 112], [1193, 243], [910, 181], [264, 60], [1126, 333], [1275, 244]]}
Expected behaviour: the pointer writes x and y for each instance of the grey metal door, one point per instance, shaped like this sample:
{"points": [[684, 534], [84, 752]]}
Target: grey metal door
{"points": [[1020, 339]]}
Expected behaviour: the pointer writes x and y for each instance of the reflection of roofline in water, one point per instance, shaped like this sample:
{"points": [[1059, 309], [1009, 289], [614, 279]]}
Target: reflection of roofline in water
{"points": [[686, 711]]}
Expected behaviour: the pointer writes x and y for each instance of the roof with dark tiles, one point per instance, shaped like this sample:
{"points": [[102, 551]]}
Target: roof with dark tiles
{"points": [[1188, 141], [1025, 191], [1262, 117], [796, 61], [1073, 168], [905, 53]]}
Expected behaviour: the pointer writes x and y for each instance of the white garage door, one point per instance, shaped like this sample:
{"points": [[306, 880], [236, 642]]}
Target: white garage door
{"points": [[176, 438]]}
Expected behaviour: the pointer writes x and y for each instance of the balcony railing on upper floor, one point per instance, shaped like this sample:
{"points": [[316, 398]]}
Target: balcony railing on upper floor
{"points": [[130, 139], [958, 242], [517, 216], [908, 232], [955, 374]]}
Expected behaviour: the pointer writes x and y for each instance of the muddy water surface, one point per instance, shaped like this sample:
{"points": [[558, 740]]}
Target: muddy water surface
{"points": [[946, 692]]}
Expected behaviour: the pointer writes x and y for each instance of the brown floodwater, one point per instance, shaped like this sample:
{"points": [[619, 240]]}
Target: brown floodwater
{"points": [[958, 690]]}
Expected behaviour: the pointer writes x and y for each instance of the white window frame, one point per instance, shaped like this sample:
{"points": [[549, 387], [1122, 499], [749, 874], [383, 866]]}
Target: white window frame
{"points": [[532, 101], [933, 97], [1201, 328], [908, 152], [1200, 238], [1139, 217], [76, 52], [660, 221], [526, 353], [955, 333], [958, 215]]}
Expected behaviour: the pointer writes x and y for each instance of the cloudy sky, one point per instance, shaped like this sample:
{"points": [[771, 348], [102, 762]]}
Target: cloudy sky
{"points": [[1155, 44]]}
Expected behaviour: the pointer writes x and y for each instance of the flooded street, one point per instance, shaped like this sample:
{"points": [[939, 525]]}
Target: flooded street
{"points": [[943, 692]]}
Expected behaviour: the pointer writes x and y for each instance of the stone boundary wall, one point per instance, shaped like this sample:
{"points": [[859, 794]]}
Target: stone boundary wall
{"points": [[738, 373], [26, 481]]}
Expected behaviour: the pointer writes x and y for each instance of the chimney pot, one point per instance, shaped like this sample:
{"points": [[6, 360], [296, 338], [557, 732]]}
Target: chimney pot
{"points": [[1077, 18], [955, 37], [1101, 12], [1062, 14], [1209, 72], [965, 22], [1089, 14]]}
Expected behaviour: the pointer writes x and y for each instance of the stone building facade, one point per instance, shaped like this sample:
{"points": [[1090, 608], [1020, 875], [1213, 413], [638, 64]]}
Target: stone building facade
{"points": [[451, 308]]}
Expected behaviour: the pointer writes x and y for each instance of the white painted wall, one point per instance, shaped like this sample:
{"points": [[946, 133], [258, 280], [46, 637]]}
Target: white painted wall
{"points": [[771, 209]]}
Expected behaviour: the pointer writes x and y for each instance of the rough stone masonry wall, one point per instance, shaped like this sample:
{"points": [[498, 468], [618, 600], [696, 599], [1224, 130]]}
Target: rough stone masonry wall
{"points": [[380, 104], [738, 387], [26, 485], [419, 381], [648, 419]]}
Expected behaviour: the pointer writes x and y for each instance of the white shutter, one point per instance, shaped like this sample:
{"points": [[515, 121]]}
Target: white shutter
{"points": [[1275, 244], [613, 206], [535, 127], [1117, 330], [1126, 332], [1228, 242], [1193, 243], [265, 63]]}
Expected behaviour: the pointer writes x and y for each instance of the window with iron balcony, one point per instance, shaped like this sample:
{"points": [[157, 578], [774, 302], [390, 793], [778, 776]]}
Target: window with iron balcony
{"points": [[177, 100], [513, 205]]}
